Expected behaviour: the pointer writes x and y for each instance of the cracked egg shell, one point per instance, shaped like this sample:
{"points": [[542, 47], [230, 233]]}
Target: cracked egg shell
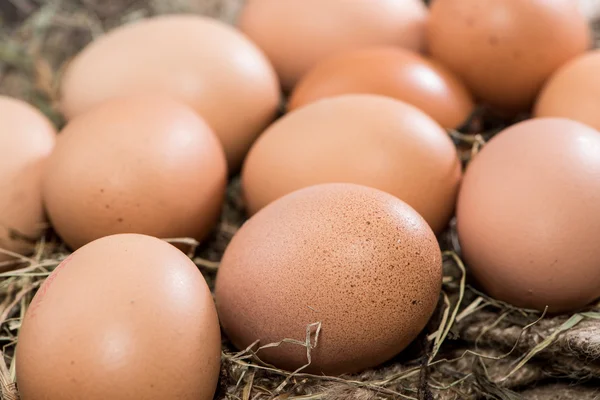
{"points": [[125, 317], [357, 260], [27, 138], [136, 164]]}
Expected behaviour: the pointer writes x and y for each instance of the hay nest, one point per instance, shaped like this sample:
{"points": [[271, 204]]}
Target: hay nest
{"points": [[474, 347]]}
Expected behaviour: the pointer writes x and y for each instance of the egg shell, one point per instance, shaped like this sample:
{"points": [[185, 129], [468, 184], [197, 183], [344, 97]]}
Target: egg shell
{"points": [[201, 61], [27, 137], [365, 139], [297, 34], [393, 72], [528, 215], [124, 317], [357, 260], [136, 164], [504, 50], [573, 91]]}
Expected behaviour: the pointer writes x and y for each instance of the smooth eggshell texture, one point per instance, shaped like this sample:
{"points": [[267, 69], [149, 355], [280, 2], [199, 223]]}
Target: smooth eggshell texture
{"points": [[124, 317], [297, 34], [198, 60], [135, 165], [359, 261], [504, 50], [27, 137], [393, 72], [366, 139], [573, 91], [528, 215]]}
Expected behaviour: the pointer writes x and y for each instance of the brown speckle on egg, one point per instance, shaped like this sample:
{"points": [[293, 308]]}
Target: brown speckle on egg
{"points": [[274, 275]]}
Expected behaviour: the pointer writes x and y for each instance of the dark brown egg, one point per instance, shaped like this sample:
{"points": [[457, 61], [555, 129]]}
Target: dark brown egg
{"points": [[358, 261], [389, 71], [124, 317], [529, 218]]}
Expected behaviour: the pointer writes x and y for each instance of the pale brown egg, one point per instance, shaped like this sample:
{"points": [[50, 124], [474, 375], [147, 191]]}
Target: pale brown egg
{"points": [[365, 139], [355, 260], [297, 34], [389, 71], [124, 317], [135, 164], [504, 50], [573, 91], [198, 60], [27, 138], [528, 215]]}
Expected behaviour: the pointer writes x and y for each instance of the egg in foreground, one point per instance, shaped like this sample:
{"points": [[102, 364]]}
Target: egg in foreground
{"points": [[135, 164], [27, 138], [365, 139], [357, 260], [125, 317], [528, 215]]}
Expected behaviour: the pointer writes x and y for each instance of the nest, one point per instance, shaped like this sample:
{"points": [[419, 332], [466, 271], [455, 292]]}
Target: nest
{"points": [[474, 347]]}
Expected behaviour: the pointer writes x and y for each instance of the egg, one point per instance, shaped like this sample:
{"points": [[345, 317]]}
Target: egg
{"points": [[504, 50], [365, 139], [200, 61], [135, 164], [356, 261], [393, 72], [297, 34], [27, 138], [528, 215], [125, 317], [573, 91]]}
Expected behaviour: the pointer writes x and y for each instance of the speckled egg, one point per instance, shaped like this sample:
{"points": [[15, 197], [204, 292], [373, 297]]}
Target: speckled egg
{"points": [[124, 317], [27, 138], [297, 34], [135, 164], [389, 71], [366, 139], [201, 61], [504, 50], [356, 261], [573, 91], [528, 215]]}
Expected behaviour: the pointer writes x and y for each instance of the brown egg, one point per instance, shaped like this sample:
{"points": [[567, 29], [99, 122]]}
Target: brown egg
{"points": [[297, 34], [358, 261], [26, 139], [504, 50], [135, 165], [201, 61], [393, 72], [365, 139], [125, 317], [528, 218], [573, 91]]}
